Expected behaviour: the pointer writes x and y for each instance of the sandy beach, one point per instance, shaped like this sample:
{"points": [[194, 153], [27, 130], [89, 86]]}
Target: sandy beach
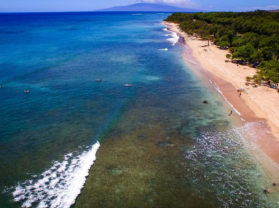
{"points": [[257, 106]]}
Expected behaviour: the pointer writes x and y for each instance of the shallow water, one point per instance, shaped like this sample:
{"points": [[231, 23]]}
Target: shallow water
{"points": [[160, 145], [175, 154]]}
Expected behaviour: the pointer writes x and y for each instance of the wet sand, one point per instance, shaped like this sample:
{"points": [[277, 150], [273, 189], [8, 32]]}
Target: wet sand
{"points": [[258, 107]]}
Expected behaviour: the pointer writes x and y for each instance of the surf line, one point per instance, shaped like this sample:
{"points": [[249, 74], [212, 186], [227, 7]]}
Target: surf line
{"points": [[174, 36], [226, 100], [60, 185]]}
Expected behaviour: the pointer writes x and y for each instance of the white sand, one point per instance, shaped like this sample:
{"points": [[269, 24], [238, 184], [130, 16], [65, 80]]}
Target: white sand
{"points": [[263, 101]]}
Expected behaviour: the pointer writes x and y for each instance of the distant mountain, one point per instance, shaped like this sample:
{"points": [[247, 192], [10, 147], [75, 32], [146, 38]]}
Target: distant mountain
{"points": [[148, 7]]}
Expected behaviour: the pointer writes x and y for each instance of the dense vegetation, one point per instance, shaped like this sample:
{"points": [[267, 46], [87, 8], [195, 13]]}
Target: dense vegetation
{"points": [[252, 37]]}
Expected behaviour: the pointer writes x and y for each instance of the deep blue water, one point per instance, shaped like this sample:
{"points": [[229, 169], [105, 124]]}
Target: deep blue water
{"points": [[48, 136]]}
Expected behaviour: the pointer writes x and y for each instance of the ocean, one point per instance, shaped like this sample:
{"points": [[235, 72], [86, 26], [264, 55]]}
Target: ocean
{"points": [[100, 110]]}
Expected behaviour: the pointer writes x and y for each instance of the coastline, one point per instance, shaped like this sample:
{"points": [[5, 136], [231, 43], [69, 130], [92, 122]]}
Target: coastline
{"points": [[256, 106]]}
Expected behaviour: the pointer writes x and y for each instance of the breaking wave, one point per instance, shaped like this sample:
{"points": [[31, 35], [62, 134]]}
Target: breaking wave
{"points": [[220, 161], [58, 186], [174, 38]]}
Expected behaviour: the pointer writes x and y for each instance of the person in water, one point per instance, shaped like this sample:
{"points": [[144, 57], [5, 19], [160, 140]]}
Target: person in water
{"points": [[230, 113]]}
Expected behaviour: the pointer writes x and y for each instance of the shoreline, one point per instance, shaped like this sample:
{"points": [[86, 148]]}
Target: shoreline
{"points": [[260, 122]]}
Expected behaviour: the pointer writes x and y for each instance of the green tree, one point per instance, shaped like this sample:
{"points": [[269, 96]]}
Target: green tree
{"points": [[245, 52], [250, 36]]}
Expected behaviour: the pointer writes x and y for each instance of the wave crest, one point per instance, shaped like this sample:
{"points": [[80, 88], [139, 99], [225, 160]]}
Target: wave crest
{"points": [[58, 186]]}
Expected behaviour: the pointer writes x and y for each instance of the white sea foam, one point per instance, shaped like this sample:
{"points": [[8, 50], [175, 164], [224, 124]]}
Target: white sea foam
{"points": [[192, 62], [58, 186], [163, 49], [221, 93], [174, 38]]}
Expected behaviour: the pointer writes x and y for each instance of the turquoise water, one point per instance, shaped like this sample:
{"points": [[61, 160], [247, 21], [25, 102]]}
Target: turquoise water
{"points": [[50, 136]]}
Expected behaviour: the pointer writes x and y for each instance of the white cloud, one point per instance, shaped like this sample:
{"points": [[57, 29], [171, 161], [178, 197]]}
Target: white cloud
{"points": [[268, 7], [175, 2], [167, 1]]}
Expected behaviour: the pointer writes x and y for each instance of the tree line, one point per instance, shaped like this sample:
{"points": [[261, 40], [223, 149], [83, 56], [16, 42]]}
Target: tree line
{"points": [[251, 37]]}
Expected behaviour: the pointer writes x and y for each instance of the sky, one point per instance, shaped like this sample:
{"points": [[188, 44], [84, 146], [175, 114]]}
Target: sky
{"points": [[90, 5]]}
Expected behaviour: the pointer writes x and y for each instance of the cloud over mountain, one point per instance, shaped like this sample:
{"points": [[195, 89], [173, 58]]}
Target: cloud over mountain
{"points": [[176, 2], [151, 7]]}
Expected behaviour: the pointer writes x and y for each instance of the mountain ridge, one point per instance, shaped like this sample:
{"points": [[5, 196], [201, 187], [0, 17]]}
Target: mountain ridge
{"points": [[148, 7]]}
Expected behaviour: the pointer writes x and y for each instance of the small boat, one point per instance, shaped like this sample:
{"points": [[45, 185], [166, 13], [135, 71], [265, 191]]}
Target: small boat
{"points": [[26, 91], [99, 80], [128, 85]]}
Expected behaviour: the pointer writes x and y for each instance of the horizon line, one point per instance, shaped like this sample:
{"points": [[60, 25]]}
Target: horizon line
{"points": [[104, 11]]}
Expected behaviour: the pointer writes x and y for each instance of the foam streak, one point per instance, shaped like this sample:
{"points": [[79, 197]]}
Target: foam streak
{"points": [[174, 38], [58, 186]]}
